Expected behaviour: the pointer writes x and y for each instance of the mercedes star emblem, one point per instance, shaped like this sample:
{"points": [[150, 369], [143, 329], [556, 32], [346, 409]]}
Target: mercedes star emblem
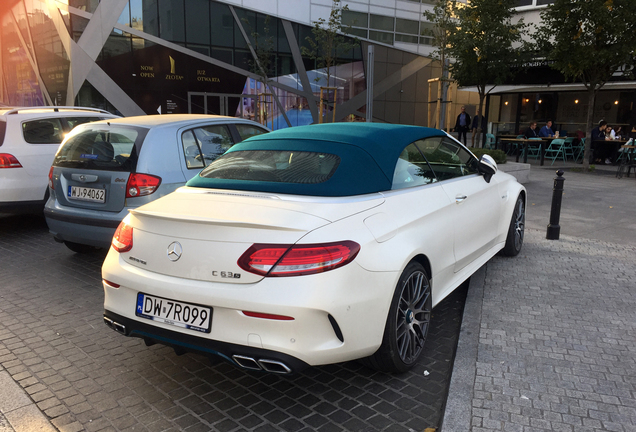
{"points": [[82, 177], [174, 251]]}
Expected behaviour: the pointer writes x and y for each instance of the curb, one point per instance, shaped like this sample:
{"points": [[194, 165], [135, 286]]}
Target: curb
{"points": [[457, 416], [18, 413]]}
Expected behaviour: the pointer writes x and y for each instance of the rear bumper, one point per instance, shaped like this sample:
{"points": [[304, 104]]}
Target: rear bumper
{"points": [[242, 356], [21, 206], [81, 226], [338, 315]]}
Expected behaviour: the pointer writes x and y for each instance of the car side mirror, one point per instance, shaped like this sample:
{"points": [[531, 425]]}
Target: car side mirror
{"points": [[487, 167]]}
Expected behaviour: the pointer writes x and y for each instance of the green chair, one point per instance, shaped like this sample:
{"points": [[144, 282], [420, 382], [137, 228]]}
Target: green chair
{"points": [[579, 150], [512, 147], [555, 150], [490, 142], [535, 151], [568, 147]]}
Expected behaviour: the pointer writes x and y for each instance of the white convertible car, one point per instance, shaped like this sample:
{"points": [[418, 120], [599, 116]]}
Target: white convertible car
{"points": [[312, 245]]}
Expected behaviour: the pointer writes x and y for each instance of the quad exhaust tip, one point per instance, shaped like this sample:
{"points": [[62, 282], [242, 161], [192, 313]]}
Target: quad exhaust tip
{"points": [[250, 363], [273, 366], [119, 328]]}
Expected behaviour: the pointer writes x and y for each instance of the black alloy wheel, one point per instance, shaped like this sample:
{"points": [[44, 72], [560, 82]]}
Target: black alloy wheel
{"points": [[407, 324], [514, 239]]}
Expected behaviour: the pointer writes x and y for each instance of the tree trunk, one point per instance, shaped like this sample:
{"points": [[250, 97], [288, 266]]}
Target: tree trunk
{"points": [[482, 96], [589, 126]]}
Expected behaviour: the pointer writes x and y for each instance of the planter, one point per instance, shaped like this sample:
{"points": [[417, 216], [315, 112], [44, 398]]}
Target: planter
{"points": [[520, 171]]}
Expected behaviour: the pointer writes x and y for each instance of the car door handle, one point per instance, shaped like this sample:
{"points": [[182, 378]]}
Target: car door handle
{"points": [[460, 198]]}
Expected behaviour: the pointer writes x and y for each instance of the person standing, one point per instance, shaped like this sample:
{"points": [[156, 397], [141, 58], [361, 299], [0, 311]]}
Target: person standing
{"points": [[475, 128], [546, 131], [462, 124], [531, 132]]}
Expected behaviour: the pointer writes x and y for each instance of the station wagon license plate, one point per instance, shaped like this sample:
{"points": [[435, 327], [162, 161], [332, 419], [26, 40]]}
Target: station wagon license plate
{"points": [[176, 313], [86, 194]]}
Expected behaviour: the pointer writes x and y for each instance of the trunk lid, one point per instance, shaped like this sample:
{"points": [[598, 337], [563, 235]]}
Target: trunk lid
{"points": [[214, 228], [91, 189]]}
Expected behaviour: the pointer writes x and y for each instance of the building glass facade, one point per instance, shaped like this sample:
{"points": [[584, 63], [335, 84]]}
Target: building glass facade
{"points": [[198, 56]]}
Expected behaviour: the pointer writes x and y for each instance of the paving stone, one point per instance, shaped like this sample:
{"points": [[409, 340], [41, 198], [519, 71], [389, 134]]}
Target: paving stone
{"points": [[557, 323], [83, 373]]}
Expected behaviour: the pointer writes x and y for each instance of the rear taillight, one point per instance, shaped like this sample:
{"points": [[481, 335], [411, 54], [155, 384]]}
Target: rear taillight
{"points": [[9, 161], [297, 260], [141, 184], [51, 184], [123, 238]]}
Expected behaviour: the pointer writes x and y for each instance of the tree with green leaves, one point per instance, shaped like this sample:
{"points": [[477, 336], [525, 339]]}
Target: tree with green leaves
{"points": [[442, 18], [485, 45], [588, 41], [328, 45], [262, 63]]}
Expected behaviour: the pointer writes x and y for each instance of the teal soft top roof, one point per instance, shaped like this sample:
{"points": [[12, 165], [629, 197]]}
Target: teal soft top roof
{"points": [[368, 153]]}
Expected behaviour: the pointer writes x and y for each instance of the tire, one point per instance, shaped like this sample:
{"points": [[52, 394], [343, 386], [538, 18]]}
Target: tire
{"points": [[407, 324], [514, 239], [80, 248]]}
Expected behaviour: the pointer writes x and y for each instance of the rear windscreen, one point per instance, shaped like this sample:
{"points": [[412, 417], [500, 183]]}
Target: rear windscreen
{"points": [[102, 147], [281, 166]]}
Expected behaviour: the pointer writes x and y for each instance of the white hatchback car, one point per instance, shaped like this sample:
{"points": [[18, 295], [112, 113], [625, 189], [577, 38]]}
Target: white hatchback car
{"points": [[29, 138], [312, 245]]}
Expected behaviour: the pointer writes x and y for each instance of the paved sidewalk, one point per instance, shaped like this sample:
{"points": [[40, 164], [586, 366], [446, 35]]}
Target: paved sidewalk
{"points": [[548, 338], [18, 413]]}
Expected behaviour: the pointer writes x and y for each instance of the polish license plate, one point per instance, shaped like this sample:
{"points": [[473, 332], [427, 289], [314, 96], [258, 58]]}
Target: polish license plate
{"points": [[176, 313], [86, 194]]}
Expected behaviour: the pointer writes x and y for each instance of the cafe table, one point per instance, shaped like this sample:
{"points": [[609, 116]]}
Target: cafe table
{"points": [[501, 137], [628, 162], [613, 144], [526, 143]]}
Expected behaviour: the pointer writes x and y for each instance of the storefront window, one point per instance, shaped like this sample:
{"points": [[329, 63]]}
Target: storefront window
{"points": [[222, 25], [20, 81], [380, 22], [88, 96], [124, 18], [248, 22], [406, 26], [51, 56], [85, 5], [197, 22], [171, 20], [355, 19], [143, 16], [383, 37], [78, 25], [23, 24]]}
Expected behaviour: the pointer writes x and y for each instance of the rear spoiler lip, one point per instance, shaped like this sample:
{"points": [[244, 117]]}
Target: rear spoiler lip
{"points": [[208, 220]]}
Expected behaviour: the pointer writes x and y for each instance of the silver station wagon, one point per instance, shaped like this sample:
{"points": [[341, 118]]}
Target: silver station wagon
{"points": [[105, 168]]}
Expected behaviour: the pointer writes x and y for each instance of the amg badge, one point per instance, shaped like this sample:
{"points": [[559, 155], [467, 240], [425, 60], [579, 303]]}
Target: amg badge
{"points": [[226, 274]]}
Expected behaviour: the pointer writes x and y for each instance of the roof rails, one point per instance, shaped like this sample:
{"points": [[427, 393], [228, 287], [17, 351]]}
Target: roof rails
{"points": [[56, 109]]}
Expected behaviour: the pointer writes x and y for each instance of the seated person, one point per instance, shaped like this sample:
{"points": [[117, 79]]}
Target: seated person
{"points": [[546, 131], [598, 150], [619, 133], [598, 133], [531, 132]]}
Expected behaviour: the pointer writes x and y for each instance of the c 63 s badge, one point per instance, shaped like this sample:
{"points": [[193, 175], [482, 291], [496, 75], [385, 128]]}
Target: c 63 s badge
{"points": [[227, 275]]}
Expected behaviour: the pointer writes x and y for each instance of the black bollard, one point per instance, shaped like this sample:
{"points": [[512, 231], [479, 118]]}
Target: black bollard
{"points": [[555, 213]]}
